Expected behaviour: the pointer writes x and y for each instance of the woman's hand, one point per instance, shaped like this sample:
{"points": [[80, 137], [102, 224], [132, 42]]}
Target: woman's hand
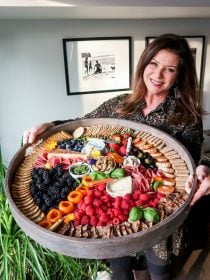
{"points": [[29, 135], [203, 183]]}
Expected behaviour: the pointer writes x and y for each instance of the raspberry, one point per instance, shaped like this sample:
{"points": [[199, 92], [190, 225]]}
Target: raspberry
{"points": [[139, 202], [144, 197], [104, 218], [97, 193], [106, 198], [123, 218], [100, 211], [117, 205], [85, 220], [135, 195], [126, 212], [151, 203], [90, 193], [109, 204], [104, 208], [93, 221], [156, 200], [102, 224], [83, 206], [88, 199], [117, 212], [127, 196], [77, 223], [97, 202], [79, 213], [160, 195], [124, 204], [131, 204], [116, 221], [79, 205], [90, 210], [118, 199], [101, 187], [110, 213]]}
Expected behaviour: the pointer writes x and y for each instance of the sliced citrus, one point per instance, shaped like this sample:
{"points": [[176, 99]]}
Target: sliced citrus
{"points": [[165, 189]]}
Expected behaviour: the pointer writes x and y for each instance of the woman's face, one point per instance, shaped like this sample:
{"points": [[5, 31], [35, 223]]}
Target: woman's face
{"points": [[161, 73]]}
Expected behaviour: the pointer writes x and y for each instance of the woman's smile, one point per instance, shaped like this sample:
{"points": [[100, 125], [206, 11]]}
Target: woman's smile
{"points": [[161, 73]]}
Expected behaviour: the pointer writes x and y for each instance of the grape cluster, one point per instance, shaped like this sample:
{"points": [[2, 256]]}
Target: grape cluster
{"points": [[145, 158], [49, 186], [71, 144]]}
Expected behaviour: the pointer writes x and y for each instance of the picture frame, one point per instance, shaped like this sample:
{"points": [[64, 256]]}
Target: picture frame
{"points": [[94, 65], [197, 45]]}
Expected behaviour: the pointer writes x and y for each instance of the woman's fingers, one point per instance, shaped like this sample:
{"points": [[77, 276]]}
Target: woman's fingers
{"points": [[29, 135], [204, 189], [202, 171], [189, 184]]}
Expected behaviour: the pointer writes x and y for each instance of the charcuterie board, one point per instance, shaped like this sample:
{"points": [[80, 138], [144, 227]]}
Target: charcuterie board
{"points": [[100, 188]]}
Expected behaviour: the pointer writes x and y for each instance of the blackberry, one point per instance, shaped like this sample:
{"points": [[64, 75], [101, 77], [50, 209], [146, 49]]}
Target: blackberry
{"points": [[48, 202], [69, 180], [66, 189], [39, 193], [52, 196], [33, 189], [52, 171], [65, 175], [46, 177], [64, 195], [38, 201], [59, 169], [74, 185], [54, 190], [40, 171], [44, 208]]}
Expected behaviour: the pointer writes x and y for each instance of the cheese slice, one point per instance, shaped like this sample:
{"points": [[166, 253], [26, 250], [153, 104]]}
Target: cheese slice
{"points": [[120, 187]]}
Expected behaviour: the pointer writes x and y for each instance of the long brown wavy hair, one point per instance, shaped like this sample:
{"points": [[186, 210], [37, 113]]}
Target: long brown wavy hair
{"points": [[189, 102]]}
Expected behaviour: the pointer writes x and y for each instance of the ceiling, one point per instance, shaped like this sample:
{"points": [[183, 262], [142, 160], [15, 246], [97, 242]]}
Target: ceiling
{"points": [[103, 9]]}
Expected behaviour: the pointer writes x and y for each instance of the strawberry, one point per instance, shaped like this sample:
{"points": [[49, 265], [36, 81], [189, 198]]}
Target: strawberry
{"points": [[117, 137], [114, 147], [122, 151], [126, 135], [124, 142]]}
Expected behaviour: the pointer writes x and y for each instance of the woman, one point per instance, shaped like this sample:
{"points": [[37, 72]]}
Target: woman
{"points": [[166, 96]]}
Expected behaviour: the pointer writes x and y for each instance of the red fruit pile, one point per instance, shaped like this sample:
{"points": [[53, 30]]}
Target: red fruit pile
{"points": [[120, 144], [98, 208]]}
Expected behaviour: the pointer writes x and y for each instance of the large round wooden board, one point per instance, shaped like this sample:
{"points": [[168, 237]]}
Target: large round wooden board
{"points": [[100, 248]]}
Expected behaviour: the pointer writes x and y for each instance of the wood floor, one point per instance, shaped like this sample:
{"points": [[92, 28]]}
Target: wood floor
{"points": [[197, 267]]}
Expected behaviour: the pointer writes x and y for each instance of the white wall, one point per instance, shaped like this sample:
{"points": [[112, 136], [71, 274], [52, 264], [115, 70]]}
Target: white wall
{"points": [[32, 86]]}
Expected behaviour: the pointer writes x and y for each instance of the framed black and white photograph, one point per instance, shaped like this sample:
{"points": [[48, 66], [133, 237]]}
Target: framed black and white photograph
{"points": [[197, 45], [97, 64]]}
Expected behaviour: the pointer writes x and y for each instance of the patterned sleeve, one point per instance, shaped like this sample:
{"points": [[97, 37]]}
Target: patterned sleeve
{"points": [[106, 110], [192, 139]]}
